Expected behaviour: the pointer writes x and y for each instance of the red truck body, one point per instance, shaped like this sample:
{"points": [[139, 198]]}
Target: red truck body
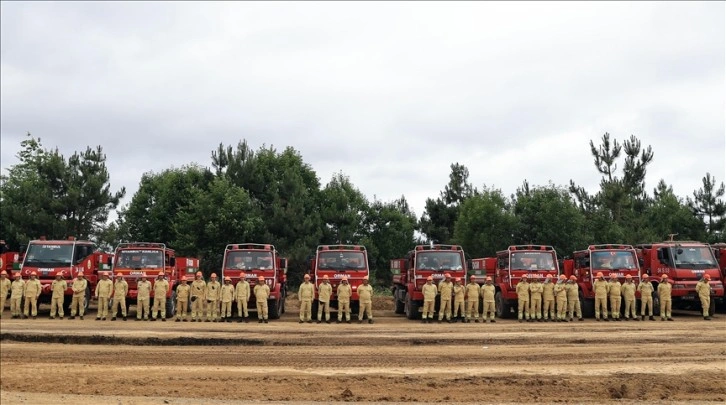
{"points": [[336, 262], [719, 251], [507, 269], [608, 259], [255, 260], [147, 258], [685, 262], [9, 260], [410, 274], [49, 257]]}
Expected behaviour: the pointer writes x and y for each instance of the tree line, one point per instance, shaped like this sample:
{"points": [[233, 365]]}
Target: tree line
{"points": [[272, 196]]}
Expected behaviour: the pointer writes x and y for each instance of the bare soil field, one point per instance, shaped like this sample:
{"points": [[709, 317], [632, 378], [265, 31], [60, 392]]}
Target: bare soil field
{"points": [[393, 360]]}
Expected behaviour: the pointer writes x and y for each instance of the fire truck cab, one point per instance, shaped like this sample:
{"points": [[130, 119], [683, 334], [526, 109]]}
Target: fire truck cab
{"points": [[255, 260], [336, 262]]}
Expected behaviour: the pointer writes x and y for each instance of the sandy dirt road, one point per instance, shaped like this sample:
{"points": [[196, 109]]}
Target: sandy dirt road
{"points": [[392, 360]]}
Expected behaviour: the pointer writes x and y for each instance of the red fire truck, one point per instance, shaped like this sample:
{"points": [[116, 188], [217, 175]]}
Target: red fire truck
{"points": [[336, 262], [255, 260], [685, 262], [609, 259], [508, 268], [147, 258], [68, 257], [410, 274]]}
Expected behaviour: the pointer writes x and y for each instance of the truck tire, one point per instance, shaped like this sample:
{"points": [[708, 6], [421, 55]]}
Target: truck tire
{"points": [[399, 306], [656, 303], [274, 308], [171, 305], [503, 309], [411, 308], [87, 298], [587, 306]]}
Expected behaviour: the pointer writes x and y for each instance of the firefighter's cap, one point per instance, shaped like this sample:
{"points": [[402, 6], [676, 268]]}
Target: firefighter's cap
{"points": [[242, 274], [645, 276], [548, 276], [664, 276], [473, 277], [599, 274], [613, 275], [3, 273], [80, 274], [487, 279], [33, 273], [573, 278], [628, 276], [447, 275], [16, 274], [365, 278], [306, 277], [457, 279], [213, 275], [184, 278], [227, 279], [261, 278], [119, 274], [161, 273], [325, 277], [524, 276], [563, 277], [707, 276], [429, 278], [199, 274], [344, 279]]}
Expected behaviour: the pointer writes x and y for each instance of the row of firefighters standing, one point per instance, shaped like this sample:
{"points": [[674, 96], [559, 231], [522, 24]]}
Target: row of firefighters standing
{"points": [[306, 295], [558, 301], [218, 297]]}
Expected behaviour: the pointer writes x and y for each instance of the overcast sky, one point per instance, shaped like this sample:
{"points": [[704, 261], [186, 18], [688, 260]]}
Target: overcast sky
{"points": [[388, 93]]}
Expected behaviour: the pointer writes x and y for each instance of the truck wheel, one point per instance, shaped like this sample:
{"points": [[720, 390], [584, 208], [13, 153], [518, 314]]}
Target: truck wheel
{"points": [[274, 308], [503, 309], [656, 304], [171, 305], [587, 306], [411, 308], [399, 306], [87, 299]]}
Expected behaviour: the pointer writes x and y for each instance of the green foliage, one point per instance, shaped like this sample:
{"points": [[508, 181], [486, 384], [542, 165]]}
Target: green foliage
{"points": [[47, 195], [668, 214], [343, 210], [440, 215], [708, 205], [486, 223]]}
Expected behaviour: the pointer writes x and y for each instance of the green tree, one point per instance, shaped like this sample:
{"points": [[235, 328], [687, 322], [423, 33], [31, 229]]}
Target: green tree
{"points": [[670, 215], [440, 215], [708, 205], [389, 228], [47, 195], [486, 223], [343, 210], [548, 215]]}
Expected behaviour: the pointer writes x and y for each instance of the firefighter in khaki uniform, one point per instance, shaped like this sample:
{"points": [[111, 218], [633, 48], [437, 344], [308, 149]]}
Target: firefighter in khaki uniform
{"points": [[306, 294], [561, 298], [120, 291], [344, 293], [182, 299], [664, 295], [523, 298], [226, 295], [446, 289], [487, 293], [212, 295], [58, 289], [5, 284], [628, 290], [104, 289], [242, 296], [646, 297], [472, 300], [161, 288], [429, 292], [614, 292], [548, 296], [601, 288], [459, 292], [703, 289], [78, 304], [365, 296], [325, 291], [573, 299], [262, 293], [31, 293], [199, 288], [536, 289], [143, 294], [16, 295]]}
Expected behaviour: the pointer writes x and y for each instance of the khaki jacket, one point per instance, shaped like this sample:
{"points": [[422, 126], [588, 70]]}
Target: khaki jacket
{"points": [[344, 292], [429, 291]]}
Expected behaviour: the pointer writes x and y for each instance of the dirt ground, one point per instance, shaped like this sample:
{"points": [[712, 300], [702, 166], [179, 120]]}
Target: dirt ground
{"points": [[393, 360]]}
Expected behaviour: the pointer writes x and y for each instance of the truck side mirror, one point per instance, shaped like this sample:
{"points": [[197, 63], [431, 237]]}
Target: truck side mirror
{"points": [[586, 263], [23, 248], [641, 262], [283, 263], [109, 261], [172, 261]]}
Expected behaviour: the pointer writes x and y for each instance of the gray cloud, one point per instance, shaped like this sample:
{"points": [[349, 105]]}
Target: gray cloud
{"points": [[390, 94]]}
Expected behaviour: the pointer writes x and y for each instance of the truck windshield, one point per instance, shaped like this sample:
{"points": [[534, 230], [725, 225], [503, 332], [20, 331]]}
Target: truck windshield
{"points": [[433, 260], [247, 260], [533, 260], [613, 259], [342, 260], [693, 257], [140, 259], [49, 255]]}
